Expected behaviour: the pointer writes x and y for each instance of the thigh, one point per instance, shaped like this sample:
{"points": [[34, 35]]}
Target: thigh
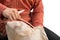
{"points": [[51, 35]]}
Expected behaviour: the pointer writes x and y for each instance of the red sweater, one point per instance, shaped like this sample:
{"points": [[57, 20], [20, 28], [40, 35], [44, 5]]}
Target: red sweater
{"points": [[36, 17]]}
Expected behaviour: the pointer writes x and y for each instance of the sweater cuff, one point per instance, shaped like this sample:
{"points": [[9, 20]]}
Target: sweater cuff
{"points": [[2, 8]]}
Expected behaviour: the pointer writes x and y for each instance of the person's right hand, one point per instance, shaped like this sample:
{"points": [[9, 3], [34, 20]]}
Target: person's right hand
{"points": [[11, 14]]}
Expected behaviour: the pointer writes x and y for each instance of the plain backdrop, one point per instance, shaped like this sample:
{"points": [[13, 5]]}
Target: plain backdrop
{"points": [[52, 15]]}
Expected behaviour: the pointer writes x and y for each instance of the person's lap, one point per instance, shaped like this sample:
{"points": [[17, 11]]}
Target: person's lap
{"points": [[51, 35]]}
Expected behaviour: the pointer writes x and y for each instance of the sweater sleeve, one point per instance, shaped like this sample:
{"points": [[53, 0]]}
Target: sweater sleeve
{"points": [[37, 15], [2, 7]]}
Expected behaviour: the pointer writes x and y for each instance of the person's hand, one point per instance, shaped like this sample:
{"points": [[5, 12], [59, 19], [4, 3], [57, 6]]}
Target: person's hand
{"points": [[11, 14]]}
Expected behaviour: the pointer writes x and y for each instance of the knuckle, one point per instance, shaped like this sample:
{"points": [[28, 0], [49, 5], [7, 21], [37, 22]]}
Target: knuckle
{"points": [[15, 9]]}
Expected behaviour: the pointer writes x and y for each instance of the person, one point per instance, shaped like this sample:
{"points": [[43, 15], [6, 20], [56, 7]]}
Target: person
{"points": [[9, 11]]}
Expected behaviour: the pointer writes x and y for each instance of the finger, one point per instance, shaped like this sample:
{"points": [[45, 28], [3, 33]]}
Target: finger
{"points": [[19, 17], [19, 12], [13, 16], [10, 17], [16, 14]]}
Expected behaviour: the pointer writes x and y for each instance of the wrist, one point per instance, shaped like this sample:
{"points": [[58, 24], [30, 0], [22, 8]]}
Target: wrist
{"points": [[2, 7]]}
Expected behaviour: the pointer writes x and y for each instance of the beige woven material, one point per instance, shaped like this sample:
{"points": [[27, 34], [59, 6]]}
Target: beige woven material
{"points": [[18, 30]]}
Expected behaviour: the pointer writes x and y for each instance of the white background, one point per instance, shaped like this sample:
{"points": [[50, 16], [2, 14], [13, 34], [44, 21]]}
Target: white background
{"points": [[52, 15]]}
